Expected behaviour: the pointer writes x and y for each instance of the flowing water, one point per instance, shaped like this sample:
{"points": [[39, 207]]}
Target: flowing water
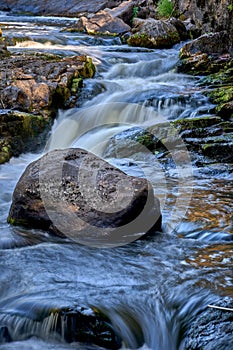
{"points": [[150, 289]]}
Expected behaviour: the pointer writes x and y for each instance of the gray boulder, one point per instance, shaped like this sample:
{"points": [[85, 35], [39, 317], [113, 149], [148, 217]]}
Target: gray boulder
{"points": [[74, 193], [153, 34]]}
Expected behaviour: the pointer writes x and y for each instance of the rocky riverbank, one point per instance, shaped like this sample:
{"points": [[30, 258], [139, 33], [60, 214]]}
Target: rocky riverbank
{"points": [[33, 88]]}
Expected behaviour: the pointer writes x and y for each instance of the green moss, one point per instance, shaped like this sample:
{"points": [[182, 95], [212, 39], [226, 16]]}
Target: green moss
{"points": [[141, 40], [76, 84], [89, 69], [196, 123], [222, 95], [17, 222]]}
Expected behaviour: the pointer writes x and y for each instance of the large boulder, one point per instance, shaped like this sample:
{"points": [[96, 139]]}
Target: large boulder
{"points": [[153, 34], [74, 193], [102, 23]]}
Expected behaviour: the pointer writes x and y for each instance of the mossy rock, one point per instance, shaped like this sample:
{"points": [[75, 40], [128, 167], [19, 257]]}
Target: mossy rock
{"points": [[223, 77], [145, 40], [196, 123], [21, 132], [223, 97], [219, 150]]}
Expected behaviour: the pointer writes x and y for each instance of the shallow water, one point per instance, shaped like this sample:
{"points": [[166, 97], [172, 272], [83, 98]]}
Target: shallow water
{"points": [[150, 289]]}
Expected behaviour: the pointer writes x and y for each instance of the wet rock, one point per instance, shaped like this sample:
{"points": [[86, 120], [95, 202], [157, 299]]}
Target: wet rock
{"points": [[209, 139], [219, 90], [180, 27], [21, 132], [209, 136], [153, 34], [223, 97], [77, 324], [102, 23], [76, 194], [212, 328], [88, 326]]}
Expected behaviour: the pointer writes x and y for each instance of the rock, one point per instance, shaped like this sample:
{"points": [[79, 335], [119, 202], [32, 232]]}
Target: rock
{"points": [[205, 55], [56, 7], [214, 44], [180, 27], [223, 97], [102, 23], [211, 328], [77, 324], [76, 194], [209, 136], [41, 83], [86, 325], [124, 11], [153, 34], [35, 86], [20, 132], [3, 49], [208, 15], [191, 28]]}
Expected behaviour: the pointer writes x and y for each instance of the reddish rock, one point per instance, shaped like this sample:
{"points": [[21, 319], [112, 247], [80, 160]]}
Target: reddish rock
{"points": [[102, 23]]}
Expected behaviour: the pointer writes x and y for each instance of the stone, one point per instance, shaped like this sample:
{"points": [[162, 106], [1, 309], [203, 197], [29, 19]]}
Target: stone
{"points": [[153, 33], [211, 328], [21, 132], [33, 87], [208, 54], [82, 324], [124, 11], [209, 15], [102, 23], [214, 44], [180, 27], [74, 193], [3, 49], [41, 83], [55, 7]]}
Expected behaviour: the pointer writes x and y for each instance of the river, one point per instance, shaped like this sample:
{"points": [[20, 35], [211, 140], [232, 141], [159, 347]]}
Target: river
{"points": [[150, 289]]}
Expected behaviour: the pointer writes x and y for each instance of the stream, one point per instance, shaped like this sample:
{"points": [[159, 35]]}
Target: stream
{"points": [[151, 289]]}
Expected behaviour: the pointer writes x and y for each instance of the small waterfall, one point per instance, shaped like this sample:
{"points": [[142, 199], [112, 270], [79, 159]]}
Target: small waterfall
{"points": [[89, 127]]}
